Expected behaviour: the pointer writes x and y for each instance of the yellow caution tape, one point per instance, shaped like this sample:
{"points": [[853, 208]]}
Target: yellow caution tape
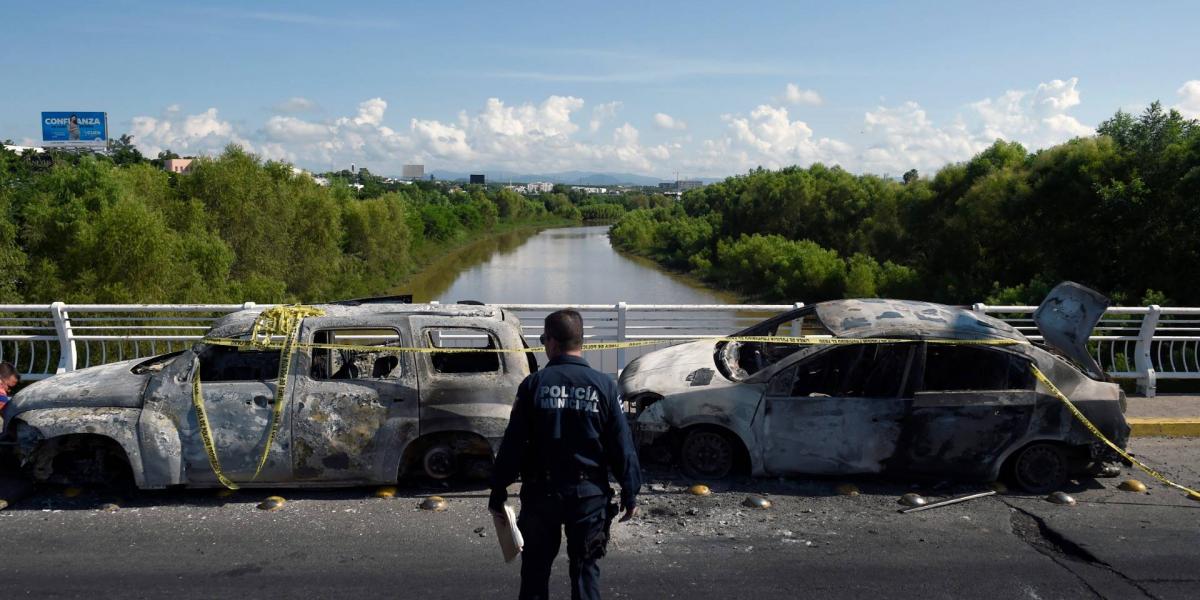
{"points": [[278, 321], [206, 433], [1096, 432]]}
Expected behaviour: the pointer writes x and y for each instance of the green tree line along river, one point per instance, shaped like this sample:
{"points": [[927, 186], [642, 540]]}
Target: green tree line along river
{"points": [[1119, 211], [119, 229]]}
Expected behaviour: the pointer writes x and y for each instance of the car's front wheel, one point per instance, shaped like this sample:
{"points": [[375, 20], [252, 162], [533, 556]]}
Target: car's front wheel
{"points": [[1041, 467], [707, 454]]}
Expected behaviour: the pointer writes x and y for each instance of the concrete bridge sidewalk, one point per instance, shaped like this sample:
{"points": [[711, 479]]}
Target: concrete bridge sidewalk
{"points": [[1175, 415]]}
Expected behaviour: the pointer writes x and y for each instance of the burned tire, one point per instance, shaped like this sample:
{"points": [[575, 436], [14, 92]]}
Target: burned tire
{"points": [[707, 454], [1041, 467], [440, 462], [88, 460]]}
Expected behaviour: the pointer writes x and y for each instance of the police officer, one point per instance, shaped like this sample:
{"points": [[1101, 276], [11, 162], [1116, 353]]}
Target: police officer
{"points": [[566, 433]]}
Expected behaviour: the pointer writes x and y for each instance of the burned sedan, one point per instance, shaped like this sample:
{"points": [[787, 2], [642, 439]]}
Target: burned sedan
{"points": [[352, 416], [954, 395]]}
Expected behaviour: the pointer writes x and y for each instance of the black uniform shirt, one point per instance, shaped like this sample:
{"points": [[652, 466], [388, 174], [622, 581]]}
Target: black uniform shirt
{"points": [[567, 430]]}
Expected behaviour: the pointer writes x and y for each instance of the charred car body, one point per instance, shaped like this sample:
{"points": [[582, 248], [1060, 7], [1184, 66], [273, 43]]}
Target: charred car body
{"points": [[352, 416], [970, 410]]}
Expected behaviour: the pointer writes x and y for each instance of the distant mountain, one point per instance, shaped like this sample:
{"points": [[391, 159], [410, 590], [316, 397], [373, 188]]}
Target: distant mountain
{"points": [[568, 177]]}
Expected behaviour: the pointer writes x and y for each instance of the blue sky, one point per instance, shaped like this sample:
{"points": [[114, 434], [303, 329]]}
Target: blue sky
{"points": [[698, 88]]}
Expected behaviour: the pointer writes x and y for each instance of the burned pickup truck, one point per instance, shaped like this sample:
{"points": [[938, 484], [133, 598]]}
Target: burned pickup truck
{"points": [[353, 416], [954, 394]]}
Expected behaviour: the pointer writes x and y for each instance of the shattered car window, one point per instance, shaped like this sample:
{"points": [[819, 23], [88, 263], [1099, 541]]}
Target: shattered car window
{"points": [[949, 368], [330, 363], [868, 371], [743, 359], [226, 363], [463, 362]]}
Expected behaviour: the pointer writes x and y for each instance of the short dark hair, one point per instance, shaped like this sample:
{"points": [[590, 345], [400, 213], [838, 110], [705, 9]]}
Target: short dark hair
{"points": [[7, 370], [566, 328]]}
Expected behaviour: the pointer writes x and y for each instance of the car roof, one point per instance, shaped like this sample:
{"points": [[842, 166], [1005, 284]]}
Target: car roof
{"points": [[877, 317], [239, 323]]}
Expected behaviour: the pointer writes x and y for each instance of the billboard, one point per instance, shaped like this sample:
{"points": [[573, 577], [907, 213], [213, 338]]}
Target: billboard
{"points": [[74, 127], [477, 179]]}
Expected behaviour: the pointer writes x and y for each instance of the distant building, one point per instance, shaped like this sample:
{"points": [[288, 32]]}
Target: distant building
{"points": [[411, 172], [477, 179], [178, 165], [679, 186], [539, 187], [20, 149], [592, 190]]}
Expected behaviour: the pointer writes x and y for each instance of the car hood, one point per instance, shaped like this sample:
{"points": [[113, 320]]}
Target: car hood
{"points": [[111, 385], [673, 369], [1066, 319]]}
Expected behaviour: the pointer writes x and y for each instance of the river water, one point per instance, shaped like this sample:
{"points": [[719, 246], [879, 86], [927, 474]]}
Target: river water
{"points": [[571, 265]]}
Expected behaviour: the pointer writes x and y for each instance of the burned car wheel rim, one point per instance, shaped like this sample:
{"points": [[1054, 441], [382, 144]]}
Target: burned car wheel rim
{"points": [[707, 454], [440, 462], [1040, 468]]}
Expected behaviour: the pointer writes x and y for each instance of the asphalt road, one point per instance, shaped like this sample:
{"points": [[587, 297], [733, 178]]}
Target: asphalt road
{"points": [[812, 543]]}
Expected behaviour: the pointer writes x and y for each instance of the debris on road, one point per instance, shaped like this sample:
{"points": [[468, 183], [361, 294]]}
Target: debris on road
{"points": [[758, 502], [948, 501], [1061, 498], [699, 490], [1132, 485], [272, 503], [913, 499], [434, 503]]}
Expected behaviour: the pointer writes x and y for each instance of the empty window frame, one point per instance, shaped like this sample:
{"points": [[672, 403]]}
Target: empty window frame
{"points": [[227, 363], [866, 371], [955, 368], [335, 363], [463, 362]]}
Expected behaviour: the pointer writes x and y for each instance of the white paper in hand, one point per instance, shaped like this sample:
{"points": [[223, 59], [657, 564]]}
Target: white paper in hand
{"points": [[511, 542]]}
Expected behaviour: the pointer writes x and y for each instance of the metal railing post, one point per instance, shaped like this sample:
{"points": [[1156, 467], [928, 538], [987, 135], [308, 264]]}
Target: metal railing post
{"points": [[979, 307], [622, 309], [797, 324], [1146, 382], [66, 339]]}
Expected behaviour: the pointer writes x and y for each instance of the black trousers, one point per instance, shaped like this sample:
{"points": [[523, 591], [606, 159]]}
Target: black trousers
{"points": [[542, 520]]}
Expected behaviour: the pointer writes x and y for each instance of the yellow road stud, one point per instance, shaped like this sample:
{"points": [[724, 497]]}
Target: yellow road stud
{"points": [[1132, 485], [756, 502], [272, 503], [3, 504], [913, 499], [699, 490], [435, 503], [1061, 498], [386, 491], [846, 489]]}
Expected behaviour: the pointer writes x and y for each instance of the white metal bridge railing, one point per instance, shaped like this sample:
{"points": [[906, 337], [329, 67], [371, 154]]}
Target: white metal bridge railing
{"points": [[1142, 343]]}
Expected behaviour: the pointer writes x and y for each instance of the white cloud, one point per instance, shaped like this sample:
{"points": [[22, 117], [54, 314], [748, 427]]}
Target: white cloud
{"points": [[665, 121], [1189, 99], [601, 113], [295, 104], [565, 133], [200, 133], [794, 95]]}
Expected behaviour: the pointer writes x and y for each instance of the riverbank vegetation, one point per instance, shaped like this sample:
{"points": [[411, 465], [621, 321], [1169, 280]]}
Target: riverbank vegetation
{"points": [[117, 228], [1119, 211]]}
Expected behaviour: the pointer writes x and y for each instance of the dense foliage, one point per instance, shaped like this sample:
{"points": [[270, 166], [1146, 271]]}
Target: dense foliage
{"points": [[1119, 211], [117, 228]]}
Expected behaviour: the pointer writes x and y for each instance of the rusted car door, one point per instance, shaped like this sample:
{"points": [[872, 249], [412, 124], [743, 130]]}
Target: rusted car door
{"points": [[353, 410], [238, 388], [837, 411], [972, 403], [467, 391]]}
